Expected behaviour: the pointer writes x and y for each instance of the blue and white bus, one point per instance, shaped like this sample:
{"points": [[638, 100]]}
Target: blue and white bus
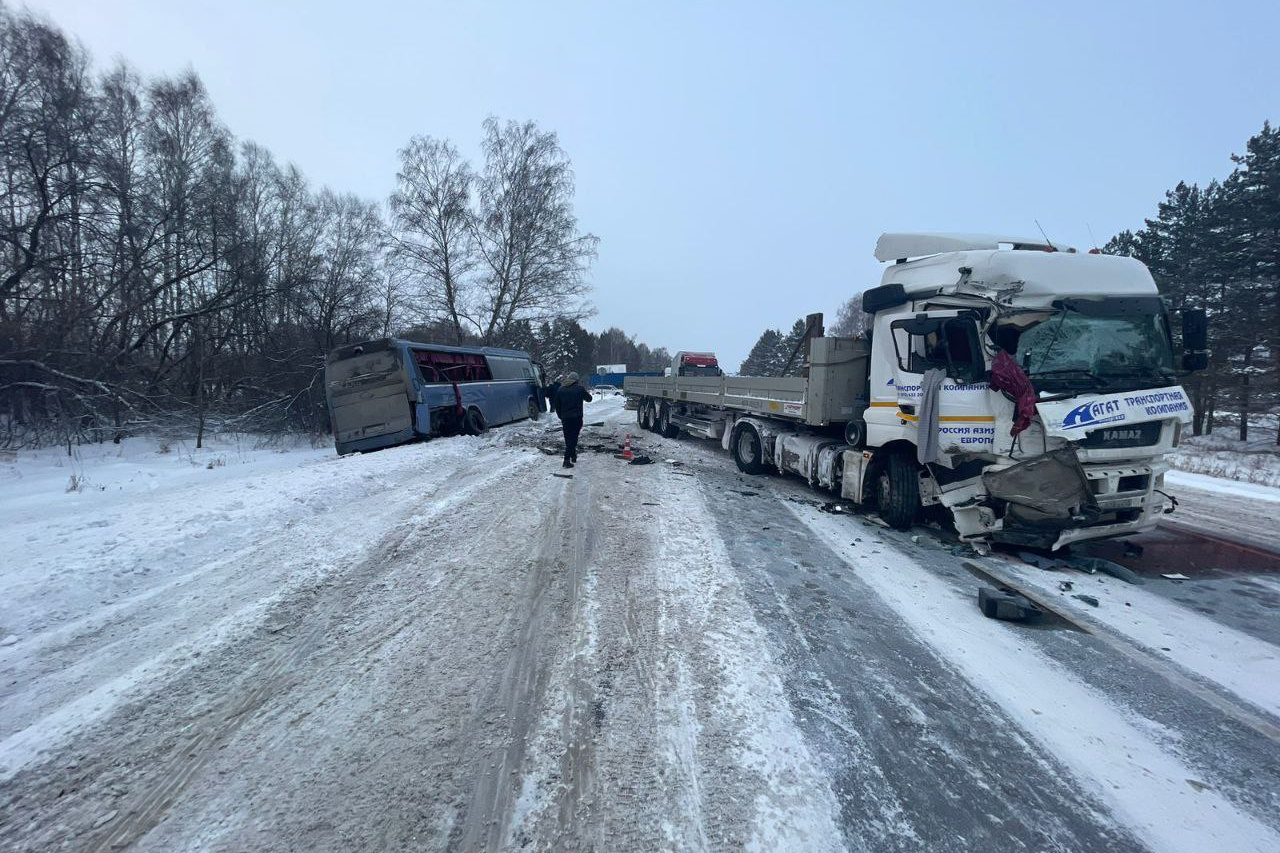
{"points": [[390, 391]]}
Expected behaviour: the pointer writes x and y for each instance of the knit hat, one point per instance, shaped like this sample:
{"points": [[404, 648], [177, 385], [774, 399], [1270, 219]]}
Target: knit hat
{"points": [[571, 379]]}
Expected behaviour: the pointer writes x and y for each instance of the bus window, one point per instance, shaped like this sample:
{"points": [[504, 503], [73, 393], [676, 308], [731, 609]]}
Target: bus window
{"points": [[435, 366]]}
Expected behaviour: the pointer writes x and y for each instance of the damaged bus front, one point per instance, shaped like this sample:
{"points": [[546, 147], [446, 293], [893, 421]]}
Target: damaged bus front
{"points": [[1032, 390]]}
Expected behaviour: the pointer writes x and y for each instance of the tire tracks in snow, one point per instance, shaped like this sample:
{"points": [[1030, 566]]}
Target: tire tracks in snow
{"points": [[156, 775]]}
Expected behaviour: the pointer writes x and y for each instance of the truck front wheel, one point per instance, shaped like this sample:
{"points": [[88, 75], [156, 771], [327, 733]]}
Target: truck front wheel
{"points": [[898, 492], [746, 449]]}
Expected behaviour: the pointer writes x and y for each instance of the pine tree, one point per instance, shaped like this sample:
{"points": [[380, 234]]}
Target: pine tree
{"points": [[792, 354], [763, 358]]}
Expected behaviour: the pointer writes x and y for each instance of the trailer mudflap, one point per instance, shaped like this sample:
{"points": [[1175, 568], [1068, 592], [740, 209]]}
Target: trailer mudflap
{"points": [[1049, 492]]}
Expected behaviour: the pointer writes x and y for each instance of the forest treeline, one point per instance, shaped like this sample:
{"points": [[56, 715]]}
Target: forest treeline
{"points": [[1215, 247], [159, 273]]}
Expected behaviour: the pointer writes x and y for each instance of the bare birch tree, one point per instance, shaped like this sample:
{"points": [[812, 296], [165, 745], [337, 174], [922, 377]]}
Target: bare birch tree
{"points": [[432, 238], [535, 260]]}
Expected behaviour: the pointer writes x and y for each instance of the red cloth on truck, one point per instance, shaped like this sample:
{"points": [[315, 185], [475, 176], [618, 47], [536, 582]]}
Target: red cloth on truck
{"points": [[1008, 377]]}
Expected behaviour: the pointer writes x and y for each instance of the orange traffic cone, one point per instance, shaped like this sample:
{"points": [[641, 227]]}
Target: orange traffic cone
{"points": [[626, 450]]}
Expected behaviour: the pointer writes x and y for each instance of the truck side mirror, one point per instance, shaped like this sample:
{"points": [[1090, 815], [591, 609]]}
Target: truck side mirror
{"points": [[1195, 339]]}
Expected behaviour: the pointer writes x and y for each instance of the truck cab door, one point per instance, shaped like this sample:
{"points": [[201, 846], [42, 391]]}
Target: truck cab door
{"points": [[947, 340]]}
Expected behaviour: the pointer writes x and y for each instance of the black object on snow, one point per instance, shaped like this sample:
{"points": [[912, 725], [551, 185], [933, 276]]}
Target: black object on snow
{"points": [[641, 460], [1097, 564], [1006, 604], [565, 476], [1087, 599]]}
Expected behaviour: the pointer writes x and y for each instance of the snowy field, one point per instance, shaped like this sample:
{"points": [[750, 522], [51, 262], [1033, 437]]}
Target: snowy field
{"points": [[445, 646]]}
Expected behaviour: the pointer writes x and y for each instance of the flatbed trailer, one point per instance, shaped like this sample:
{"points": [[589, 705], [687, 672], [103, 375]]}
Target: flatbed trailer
{"points": [[833, 392]]}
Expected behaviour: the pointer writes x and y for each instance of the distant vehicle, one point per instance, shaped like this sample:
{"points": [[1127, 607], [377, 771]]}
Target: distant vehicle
{"points": [[1070, 447], [613, 375], [389, 391]]}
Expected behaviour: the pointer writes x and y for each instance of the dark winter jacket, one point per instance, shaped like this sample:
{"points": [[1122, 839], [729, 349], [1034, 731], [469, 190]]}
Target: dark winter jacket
{"points": [[569, 400]]}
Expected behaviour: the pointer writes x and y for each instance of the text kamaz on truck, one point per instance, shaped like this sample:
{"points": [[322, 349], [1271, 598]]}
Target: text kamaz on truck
{"points": [[1069, 444]]}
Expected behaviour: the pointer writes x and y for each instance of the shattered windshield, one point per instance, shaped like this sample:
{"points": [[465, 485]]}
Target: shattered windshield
{"points": [[1070, 347]]}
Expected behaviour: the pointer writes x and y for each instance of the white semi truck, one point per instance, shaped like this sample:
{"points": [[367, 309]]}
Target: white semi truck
{"points": [[1070, 448]]}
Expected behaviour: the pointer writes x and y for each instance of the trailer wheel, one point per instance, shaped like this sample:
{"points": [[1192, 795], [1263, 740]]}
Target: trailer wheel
{"points": [[665, 428], [474, 422], [640, 418], [534, 409], [746, 449], [651, 417], [898, 492]]}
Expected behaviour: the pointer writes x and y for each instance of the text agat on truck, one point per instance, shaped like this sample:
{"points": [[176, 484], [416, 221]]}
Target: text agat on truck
{"points": [[1071, 447]]}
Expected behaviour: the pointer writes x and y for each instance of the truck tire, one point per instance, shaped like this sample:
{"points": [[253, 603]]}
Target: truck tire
{"points": [[640, 420], [665, 428], [898, 492], [648, 419], [746, 449]]}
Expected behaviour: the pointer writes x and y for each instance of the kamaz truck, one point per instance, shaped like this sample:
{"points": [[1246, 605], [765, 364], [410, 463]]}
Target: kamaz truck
{"points": [[1027, 390]]}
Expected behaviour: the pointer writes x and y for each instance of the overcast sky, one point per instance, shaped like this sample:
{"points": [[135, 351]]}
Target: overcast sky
{"points": [[739, 160]]}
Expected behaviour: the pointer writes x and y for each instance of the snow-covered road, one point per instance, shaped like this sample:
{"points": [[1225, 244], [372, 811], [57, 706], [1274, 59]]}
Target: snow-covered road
{"points": [[445, 647]]}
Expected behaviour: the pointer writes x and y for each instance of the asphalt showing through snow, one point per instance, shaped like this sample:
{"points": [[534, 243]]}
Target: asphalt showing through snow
{"points": [[920, 758]]}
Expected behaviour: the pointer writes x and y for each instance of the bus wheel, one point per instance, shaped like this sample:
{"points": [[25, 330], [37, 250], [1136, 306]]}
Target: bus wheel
{"points": [[746, 450], [534, 409], [475, 423], [898, 492]]}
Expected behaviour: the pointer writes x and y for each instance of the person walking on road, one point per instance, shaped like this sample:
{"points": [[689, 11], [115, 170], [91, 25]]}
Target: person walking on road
{"points": [[568, 402]]}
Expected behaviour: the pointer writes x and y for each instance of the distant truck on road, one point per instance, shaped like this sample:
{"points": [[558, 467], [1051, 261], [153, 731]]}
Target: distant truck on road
{"points": [[1027, 389]]}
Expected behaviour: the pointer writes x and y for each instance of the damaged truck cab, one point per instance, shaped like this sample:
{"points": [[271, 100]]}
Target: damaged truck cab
{"points": [[1028, 389], [1092, 336]]}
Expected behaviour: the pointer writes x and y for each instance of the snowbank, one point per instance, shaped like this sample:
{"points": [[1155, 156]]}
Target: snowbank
{"points": [[1222, 455]]}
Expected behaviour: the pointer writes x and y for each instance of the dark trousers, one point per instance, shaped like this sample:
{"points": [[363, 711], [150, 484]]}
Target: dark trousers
{"points": [[571, 427]]}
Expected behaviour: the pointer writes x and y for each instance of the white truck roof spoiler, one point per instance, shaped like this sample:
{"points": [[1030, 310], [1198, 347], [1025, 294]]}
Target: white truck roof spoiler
{"points": [[894, 246]]}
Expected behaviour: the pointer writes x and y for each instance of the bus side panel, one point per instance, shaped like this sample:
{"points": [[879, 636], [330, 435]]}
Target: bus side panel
{"points": [[499, 401]]}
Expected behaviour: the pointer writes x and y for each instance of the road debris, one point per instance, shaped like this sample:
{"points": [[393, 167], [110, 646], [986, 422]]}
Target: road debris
{"points": [[1175, 576], [1087, 599], [1098, 564], [1007, 605]]}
